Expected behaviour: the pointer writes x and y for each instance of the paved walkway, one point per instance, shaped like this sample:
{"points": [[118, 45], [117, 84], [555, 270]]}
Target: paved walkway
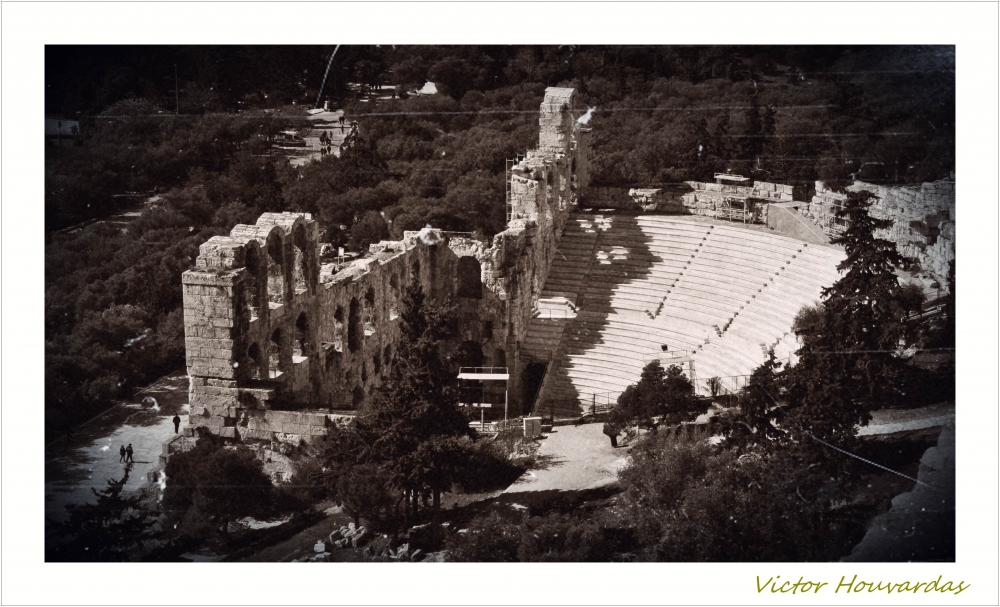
{"points": [[89, 458], [890, 421], [328, 122], [571, 458]]}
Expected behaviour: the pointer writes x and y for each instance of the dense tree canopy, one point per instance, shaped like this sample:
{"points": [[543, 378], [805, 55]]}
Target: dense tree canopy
{"points": [[664, 394]]}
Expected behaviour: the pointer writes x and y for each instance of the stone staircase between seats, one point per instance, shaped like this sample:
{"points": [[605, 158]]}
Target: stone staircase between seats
{"points": [[666, 286]]}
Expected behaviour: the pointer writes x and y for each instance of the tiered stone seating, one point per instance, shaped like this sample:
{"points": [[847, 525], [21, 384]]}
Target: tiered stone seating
{"points": [[765, 320], [718, 294], [558, 300]]}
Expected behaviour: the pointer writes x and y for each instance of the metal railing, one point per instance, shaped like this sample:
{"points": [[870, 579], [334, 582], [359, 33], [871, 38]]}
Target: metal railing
{"points": [[498, 426], [553, 313], [727, 386], [481, 395], [670, 354], [483, 370]]}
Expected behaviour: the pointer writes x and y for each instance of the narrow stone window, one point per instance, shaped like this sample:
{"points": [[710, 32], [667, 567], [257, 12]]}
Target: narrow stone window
{"points": [[470, 284], [338, 329], [300, 345], [252, 264], [299, 270], [369, 316], [274, 354], [275, 274], [354, 330], [253, 361]]}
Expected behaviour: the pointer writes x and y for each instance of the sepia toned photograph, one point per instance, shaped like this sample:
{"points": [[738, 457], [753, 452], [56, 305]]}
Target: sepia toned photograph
{"points": [[518, 303]]}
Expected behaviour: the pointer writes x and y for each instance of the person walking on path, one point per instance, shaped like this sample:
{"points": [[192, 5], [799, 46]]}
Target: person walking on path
{"points": [[177, 423], [128, 454], [122, 453]]}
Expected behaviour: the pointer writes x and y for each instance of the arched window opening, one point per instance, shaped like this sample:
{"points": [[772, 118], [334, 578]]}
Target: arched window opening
{"points": [[357, 396], [377, 363], [252, 263], [354, 326], [499, 358], [369, 312], [300, 345], [275, 274], [253, 361], [387, 357], [338, 329], [394, 302], [299, 270], [364, 372], [274, 365], [470, 282]]}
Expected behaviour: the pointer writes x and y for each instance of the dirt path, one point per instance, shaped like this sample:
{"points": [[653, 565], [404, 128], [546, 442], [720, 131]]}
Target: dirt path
{"points": [[571, 458]]}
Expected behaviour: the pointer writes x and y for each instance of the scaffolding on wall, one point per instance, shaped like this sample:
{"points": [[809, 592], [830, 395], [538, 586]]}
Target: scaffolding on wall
{"points": [[510, 163], [740, 208]]}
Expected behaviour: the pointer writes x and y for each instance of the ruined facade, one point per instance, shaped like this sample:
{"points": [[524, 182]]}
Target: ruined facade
{"points": [[278, 343]]}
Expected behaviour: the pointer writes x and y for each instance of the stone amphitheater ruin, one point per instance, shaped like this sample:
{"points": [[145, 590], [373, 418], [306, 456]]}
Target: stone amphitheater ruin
{"points": [[574, 301]]}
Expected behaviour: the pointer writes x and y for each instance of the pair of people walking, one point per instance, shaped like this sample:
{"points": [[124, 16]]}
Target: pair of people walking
{"points": [[126, 454]]}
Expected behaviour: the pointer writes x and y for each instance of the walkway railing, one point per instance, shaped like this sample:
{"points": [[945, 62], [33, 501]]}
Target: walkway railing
{"points": [[723, 386], [553, 313], [483, 370], [666, 355]]}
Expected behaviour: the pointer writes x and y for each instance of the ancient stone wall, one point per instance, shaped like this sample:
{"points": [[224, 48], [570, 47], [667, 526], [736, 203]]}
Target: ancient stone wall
{"points": [[276, 342], [708, 198], [923, 219]]}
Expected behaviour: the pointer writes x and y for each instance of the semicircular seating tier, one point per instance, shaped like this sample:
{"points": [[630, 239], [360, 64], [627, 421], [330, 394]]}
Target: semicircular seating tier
{"points": [[625, 290]]}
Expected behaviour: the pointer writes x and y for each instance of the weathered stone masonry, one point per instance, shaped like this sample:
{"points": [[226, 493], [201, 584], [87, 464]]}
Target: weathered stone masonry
{"points": [[277, 343], [923, 219]]}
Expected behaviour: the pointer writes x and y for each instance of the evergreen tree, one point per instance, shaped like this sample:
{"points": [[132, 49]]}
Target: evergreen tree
{"points": [[758, 407], [411, 424], [106, 530], [664, 393], [849, 362]]}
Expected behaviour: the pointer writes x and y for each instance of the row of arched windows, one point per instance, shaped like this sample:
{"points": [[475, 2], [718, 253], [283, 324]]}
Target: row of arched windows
{"points": [[266, 282]]}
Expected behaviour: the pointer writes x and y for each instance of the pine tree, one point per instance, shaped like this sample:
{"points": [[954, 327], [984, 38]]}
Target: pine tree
{"points": [[759, 407], [664, 393], [409, 426], [104, 531], [849, 363]]}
